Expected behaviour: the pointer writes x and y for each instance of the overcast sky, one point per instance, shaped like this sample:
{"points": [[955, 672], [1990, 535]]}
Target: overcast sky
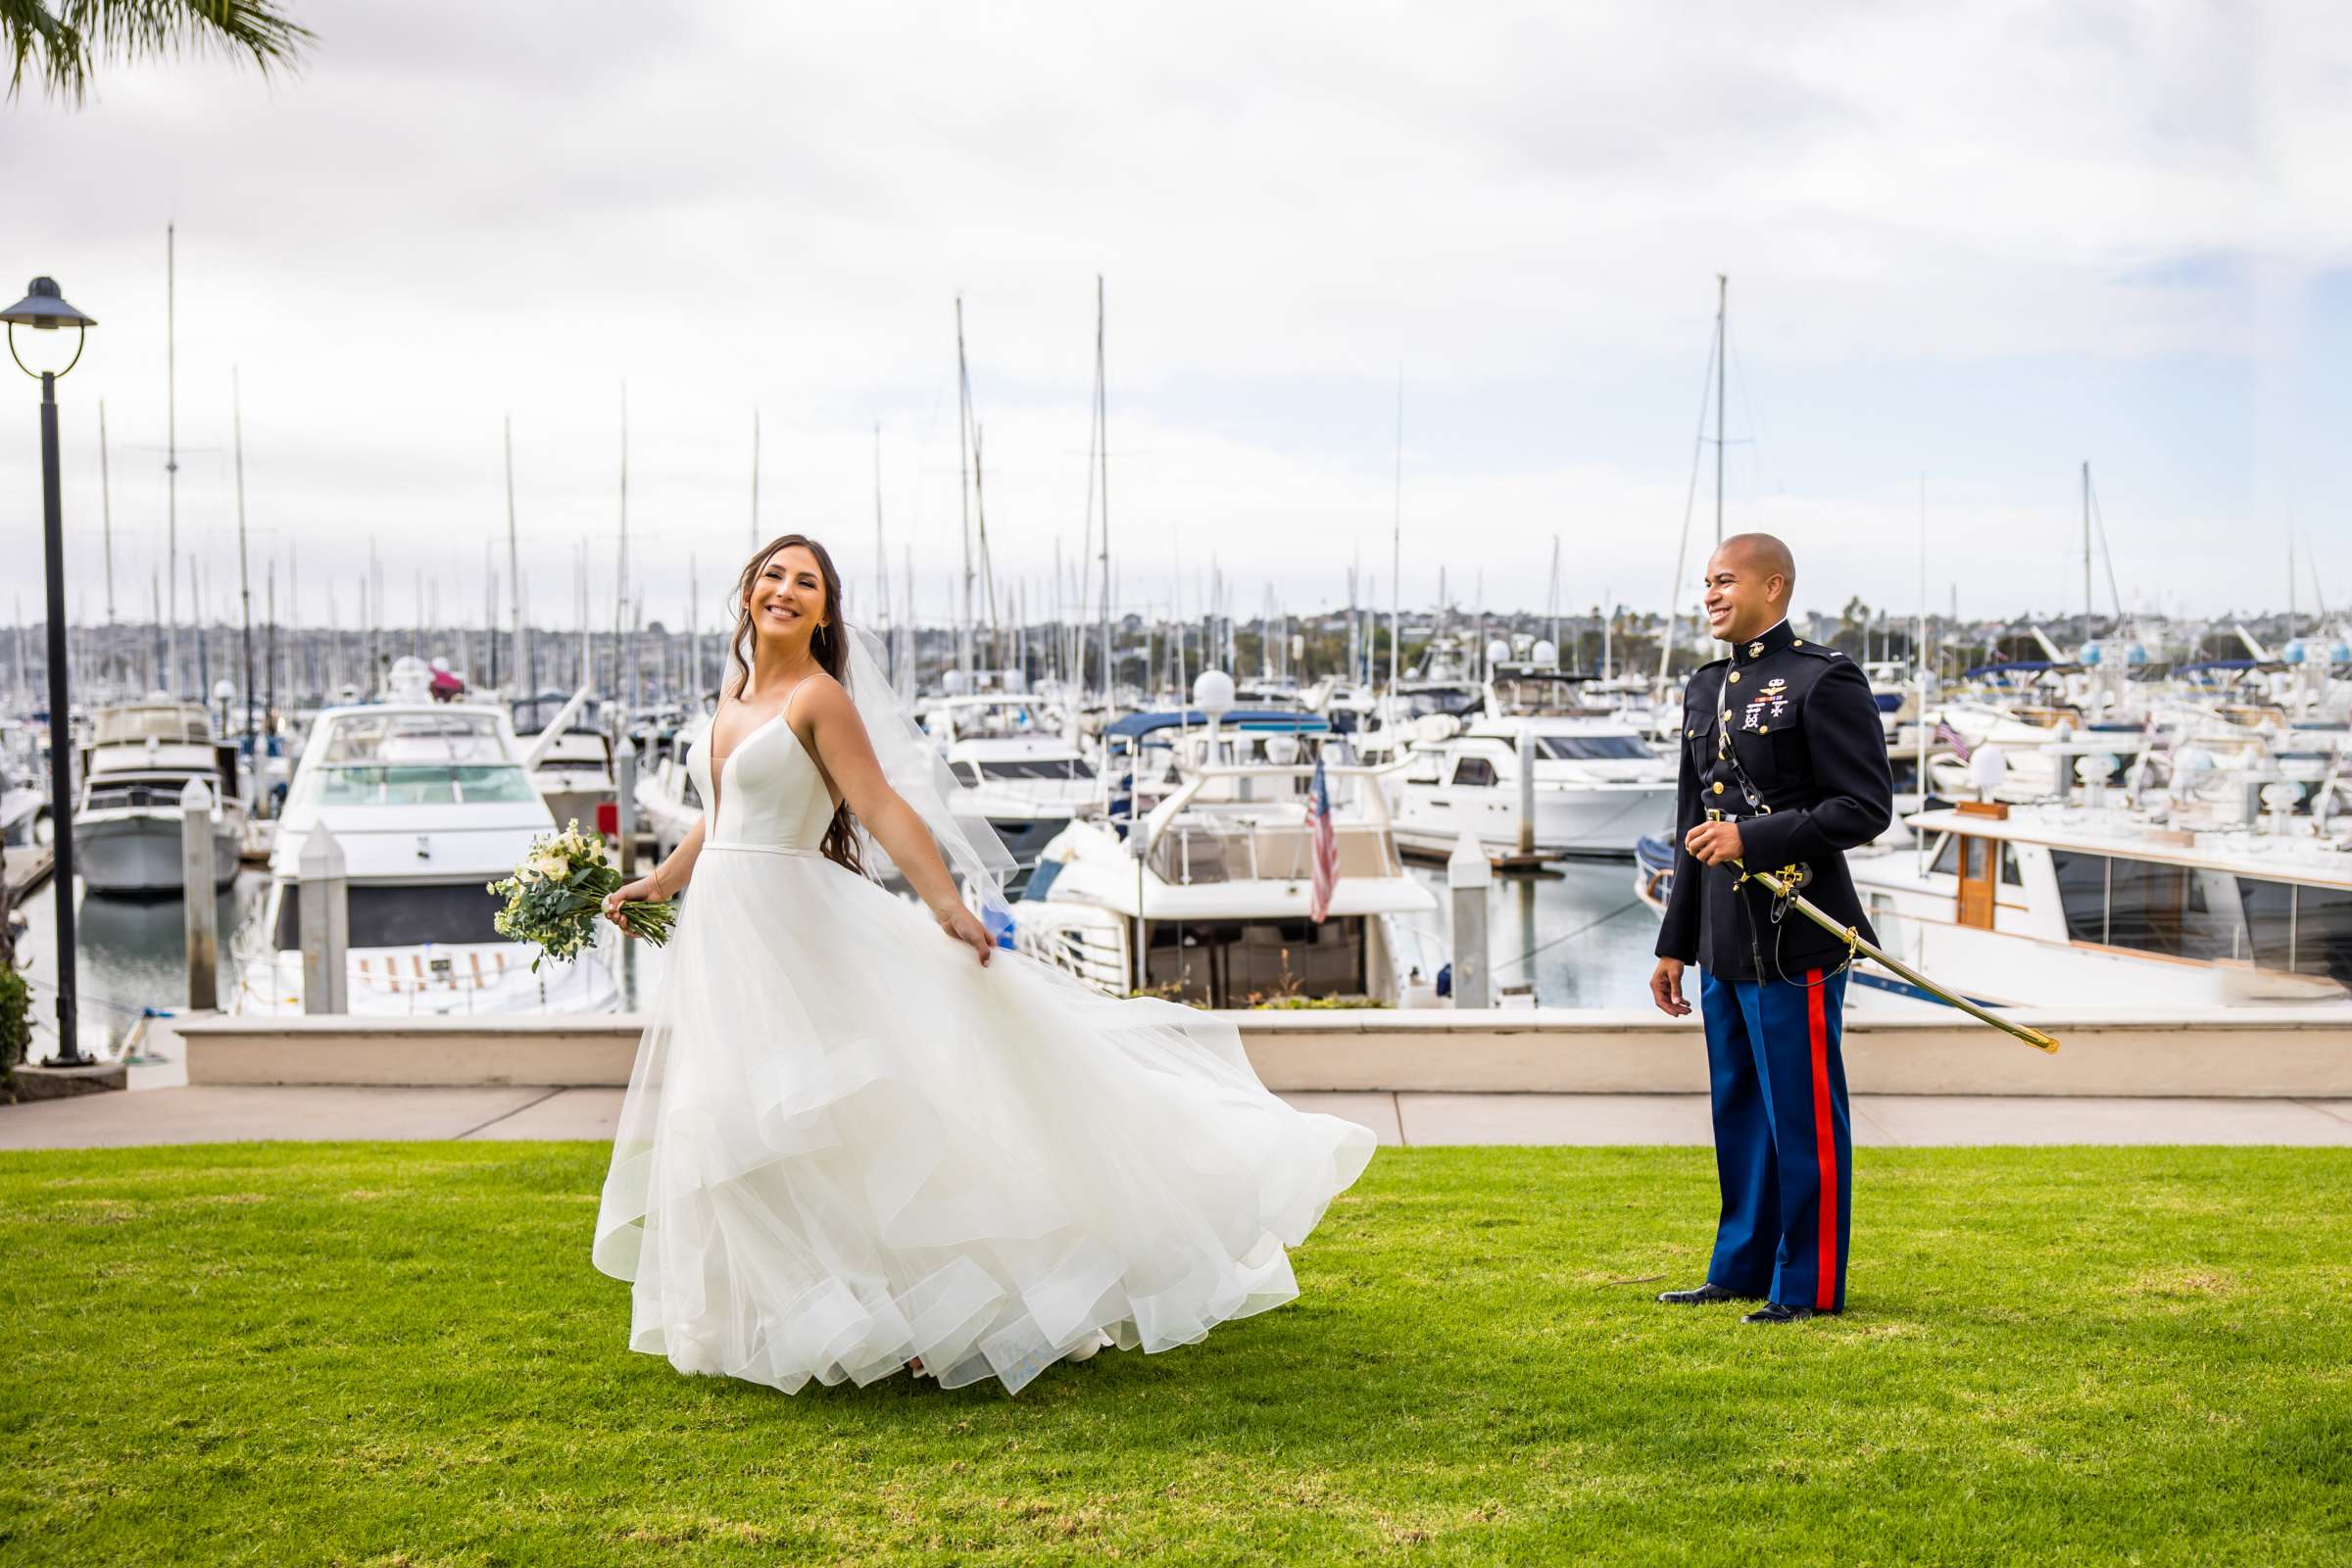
{"points": [[1971, 245]]}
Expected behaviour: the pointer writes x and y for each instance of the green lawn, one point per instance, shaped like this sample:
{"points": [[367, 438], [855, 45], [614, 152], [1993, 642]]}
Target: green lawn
{"points": [[399, 1354]]}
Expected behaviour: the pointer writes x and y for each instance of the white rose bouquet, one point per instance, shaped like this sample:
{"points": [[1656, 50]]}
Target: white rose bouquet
{"points": [[558, 891]]}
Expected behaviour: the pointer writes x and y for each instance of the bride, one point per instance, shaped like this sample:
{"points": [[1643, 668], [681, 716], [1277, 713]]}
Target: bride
{"points": [[858, 1137]]}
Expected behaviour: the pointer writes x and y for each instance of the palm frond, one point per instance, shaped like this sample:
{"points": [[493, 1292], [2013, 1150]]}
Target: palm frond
{"points": [[59, 43]]}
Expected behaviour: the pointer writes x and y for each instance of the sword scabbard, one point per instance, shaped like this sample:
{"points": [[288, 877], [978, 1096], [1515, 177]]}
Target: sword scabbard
{"points": [[1779, 887]]}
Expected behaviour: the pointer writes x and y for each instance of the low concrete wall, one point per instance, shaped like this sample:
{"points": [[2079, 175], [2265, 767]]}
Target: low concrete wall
{"points": [[2266, 1053]]}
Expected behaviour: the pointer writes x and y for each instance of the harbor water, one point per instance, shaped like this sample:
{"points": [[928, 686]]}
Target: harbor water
{"points": [[1580, 937]]}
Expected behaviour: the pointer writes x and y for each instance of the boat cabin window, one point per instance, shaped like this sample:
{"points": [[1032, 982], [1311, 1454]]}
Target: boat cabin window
{"points": [[2177, 911], [406, 758], [402, 916], [1537, 693], [124, 724], [1443, 700], [1948, 863], [1592, 748], [2304, 929], [1475, 772], [1228, 964], [1059, 769]]}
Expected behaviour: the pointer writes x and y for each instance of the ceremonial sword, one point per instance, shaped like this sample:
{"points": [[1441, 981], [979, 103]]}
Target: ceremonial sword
{"points": [[1782, 886]]}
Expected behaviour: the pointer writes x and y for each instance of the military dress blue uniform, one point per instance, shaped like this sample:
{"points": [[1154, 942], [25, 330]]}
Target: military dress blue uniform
{"points": [[1784, 738]]}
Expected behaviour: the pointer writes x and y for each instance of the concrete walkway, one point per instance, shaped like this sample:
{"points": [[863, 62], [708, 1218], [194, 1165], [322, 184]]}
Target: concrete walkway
{"points": [[200, 1113]]}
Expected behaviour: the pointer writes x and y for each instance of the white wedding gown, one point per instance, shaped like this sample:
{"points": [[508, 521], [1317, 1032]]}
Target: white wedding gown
{"points": [[845, 1143]]}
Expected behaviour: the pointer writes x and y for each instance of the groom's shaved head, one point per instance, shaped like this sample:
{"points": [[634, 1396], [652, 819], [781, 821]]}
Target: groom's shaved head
{"points": [[1760, 555]]}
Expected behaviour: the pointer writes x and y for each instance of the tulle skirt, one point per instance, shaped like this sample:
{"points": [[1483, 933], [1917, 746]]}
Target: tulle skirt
{"points": [[845, 1145]]}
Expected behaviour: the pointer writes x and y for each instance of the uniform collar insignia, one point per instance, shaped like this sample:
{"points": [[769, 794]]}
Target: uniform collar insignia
{"points": [[1764, 646]]}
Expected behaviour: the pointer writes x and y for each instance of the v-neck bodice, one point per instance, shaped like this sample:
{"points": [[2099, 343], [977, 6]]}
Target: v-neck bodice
{"points": [[769, 795]]}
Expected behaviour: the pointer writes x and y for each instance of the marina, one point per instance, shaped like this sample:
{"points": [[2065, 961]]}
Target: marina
{"points": [[1073, 784]]}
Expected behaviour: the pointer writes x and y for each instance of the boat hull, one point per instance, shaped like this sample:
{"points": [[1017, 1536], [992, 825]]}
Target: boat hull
{"points": [[1604, 822], [140, 852]]}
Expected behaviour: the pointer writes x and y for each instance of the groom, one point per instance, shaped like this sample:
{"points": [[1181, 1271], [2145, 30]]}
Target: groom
{"points": [[1784, 764]]}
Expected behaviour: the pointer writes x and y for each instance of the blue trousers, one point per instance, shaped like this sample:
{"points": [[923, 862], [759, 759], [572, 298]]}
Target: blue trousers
{"points": [[1784, 1142]]}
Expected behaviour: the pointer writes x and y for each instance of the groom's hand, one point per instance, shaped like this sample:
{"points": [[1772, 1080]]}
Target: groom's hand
{"points": [[1714, 843], [1666, 988]]}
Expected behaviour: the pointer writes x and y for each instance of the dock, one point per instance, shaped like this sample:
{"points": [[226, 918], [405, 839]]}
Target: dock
{"points": [[23, 868]]}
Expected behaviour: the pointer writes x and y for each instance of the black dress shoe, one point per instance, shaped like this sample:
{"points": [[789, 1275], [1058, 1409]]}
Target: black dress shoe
{"points": [[1774, 1312], [1706, 1294]]}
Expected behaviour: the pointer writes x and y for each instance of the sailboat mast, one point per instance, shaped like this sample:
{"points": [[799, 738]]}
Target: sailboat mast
{"points": [[754, 478], [1103, 456], [1551, 599], [171, 461], [1723, 307], [1919, 651], [236, 405], [963, 462], [514, 580], [881, 547], [2086, 633], [622, 683], [1396, 544], [106, 508]]}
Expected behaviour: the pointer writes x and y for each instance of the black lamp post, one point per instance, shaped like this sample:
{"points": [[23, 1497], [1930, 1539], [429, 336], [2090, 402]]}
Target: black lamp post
{"points": [[44, 309]]}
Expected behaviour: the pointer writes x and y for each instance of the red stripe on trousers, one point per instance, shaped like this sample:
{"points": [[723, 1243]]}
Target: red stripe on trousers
{"points": [[1825, 1146]]}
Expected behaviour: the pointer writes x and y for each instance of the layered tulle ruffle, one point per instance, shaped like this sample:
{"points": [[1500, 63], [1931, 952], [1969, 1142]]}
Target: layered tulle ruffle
{"points": [[845, 1145]]}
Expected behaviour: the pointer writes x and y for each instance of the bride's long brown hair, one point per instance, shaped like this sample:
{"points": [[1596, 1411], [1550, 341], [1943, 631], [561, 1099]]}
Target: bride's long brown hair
{"points": [[828, 644]]}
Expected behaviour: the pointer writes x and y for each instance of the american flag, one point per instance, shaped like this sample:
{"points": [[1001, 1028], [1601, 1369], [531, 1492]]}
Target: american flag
{"points": [[1945, 735], [1327, 843]]}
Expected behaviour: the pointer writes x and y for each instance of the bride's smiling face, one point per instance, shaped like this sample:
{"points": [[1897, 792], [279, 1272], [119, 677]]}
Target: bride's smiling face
{"points": [[787, 600]]}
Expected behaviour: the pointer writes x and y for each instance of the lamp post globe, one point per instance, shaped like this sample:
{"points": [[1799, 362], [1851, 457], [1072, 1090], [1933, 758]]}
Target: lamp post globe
{"points": [[42, 309]]}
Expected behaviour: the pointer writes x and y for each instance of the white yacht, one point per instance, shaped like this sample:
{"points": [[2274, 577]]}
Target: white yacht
{"points": [[126, 823], [1439, 687], [1598, 785], [1199, 887], [1027, 775], [429, 802], [570, 759], [668, 802], [2053, 905]]}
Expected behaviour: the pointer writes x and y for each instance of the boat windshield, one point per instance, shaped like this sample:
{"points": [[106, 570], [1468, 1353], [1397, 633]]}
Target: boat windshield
{"points": [[1592, 748], [1442, 700], [1025, 768], [1539, 694], [158, 724], [412, 758]]}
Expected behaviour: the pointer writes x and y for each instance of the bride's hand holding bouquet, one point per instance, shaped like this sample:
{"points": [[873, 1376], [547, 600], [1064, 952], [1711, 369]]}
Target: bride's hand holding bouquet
{"points": [[554, 896]]}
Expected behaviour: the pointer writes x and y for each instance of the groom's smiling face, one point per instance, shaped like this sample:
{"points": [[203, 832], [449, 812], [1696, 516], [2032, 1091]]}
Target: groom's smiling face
{"points": [[788, 597]]}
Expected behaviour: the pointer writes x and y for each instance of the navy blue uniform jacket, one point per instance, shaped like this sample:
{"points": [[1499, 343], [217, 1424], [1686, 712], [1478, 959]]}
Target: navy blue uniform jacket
{"points": [[1800, 724]]}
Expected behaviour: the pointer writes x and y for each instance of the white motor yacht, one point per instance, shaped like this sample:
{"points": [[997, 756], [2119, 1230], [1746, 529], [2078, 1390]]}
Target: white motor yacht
{"points": [[127, 824], [1199, 888], [430, 803], [668, 802], [1027, 775], [2055, 905], [1598, 786], [570, 759]]}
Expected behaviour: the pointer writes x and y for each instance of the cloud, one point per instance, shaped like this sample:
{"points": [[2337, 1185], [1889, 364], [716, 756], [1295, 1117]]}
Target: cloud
{"points": [[1979, 243]]}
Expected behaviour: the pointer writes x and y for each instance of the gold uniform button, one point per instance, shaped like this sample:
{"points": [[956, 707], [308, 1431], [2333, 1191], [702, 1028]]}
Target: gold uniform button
{"points": [[1763, 729], [1734, 677], [1689, 733], [1796, 642], [1719, 786]]}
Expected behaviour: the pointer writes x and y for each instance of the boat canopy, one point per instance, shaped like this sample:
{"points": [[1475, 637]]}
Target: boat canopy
{"points": [[1269, 721]]}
